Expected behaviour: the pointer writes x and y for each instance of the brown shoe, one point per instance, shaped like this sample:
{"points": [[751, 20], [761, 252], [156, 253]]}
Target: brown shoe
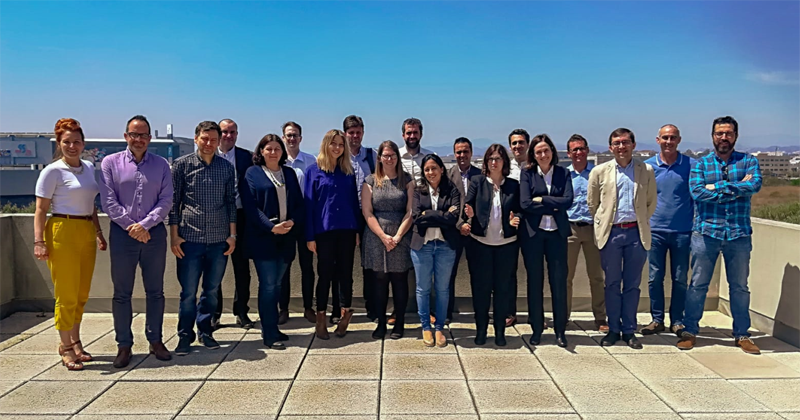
{"points": [[746, 344], [322, 326], [310, 316], [602, 326], [392, 319], [123, 357], [687, 341], [510, 321], [341, 329], [427, 338], [653, 328], [283, 317], [160, 351], [433, 319], [441, 340]]}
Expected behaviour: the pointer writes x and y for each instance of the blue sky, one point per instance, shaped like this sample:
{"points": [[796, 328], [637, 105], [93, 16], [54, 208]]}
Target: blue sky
{"points": [[475, 69]]}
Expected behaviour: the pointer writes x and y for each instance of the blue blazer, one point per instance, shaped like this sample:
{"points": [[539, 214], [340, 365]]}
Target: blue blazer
{"points": [[260, 203], [555, 203]]}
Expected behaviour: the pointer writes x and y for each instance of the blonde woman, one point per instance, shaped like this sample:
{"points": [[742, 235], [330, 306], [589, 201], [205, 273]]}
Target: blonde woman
{"points": [[332, 223], [68, 238]]}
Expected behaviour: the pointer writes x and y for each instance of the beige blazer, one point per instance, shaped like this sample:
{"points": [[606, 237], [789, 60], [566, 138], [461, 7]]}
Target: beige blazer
{"points": [[602, 198]]}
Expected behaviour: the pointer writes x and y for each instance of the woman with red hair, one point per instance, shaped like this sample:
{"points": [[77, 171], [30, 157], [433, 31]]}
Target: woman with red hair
{"points": [[67, 239]]}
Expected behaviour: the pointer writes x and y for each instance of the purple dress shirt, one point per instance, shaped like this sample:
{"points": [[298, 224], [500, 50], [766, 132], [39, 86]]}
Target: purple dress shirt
{"points": [[136, 193]]}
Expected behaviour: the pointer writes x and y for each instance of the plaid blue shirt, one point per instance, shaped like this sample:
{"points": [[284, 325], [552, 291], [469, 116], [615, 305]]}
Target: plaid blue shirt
{"points": [[724, 212]]}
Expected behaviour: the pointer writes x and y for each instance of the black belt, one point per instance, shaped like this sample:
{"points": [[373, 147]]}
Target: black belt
{"points": [[69, 216], [581, 224]]}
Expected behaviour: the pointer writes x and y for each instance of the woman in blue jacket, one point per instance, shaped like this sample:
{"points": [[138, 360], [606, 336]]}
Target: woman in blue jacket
{"points": [[275, 211]]}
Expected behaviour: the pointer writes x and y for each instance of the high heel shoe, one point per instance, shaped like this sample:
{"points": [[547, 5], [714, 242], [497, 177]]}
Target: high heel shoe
{"points": [[74, 364], [84, 355]]}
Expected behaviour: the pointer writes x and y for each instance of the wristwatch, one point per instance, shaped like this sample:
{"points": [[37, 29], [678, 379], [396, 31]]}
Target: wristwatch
{"points": [[233, 236]]}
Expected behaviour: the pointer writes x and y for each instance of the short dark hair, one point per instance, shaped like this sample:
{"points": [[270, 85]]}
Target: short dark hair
{"points": [[621, 132], [539, 138], [411, 121], [462, 140], [292, 124], [207, 126], [577, 137], [141, 118], [258, 158], [519, 132], [423, 184], [726, 120], [229, 121], [352, 121], [499, 148]]}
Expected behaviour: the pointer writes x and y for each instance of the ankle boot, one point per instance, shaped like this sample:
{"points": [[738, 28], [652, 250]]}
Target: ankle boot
{"points": [[500, 335], [341, 329], [322, 326]]}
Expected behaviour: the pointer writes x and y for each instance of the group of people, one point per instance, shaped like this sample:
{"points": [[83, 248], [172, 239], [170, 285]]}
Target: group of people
{"points": [[401, 209]]}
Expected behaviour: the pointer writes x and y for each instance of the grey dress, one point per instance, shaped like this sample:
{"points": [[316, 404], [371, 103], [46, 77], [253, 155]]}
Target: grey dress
{"points": [[389, 205]]}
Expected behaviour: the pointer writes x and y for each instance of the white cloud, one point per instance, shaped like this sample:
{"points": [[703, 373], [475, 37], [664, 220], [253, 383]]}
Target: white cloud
{"points": [[782, 78]]}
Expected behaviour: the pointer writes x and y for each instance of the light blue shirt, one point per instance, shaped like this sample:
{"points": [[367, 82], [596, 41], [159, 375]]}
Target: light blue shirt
{"points": [[579, 212], [361, 168], [675, 208], [626, 213]]}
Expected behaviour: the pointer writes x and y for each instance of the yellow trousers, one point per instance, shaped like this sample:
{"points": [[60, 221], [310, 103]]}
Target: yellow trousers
{"points": [[72, 248]]}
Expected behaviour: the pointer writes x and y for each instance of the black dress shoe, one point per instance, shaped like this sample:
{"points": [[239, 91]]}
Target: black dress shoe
{"points": [[500, 338], [480, 338], [561, 340], [275, 346], [243, 321], [380, 331], [397, 331], [282, 336], [610, 339], [215, 323], [283, 317], [536, 339], [632, 341]]}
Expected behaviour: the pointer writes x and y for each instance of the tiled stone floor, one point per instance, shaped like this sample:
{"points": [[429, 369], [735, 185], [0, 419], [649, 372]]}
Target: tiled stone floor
{"points": [[357, 377]]}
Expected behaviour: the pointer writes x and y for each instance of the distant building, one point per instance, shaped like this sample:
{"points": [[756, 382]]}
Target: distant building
{"points": [[775, 163]]}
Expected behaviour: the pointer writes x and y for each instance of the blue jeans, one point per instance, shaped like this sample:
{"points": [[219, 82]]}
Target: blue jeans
{"points": [[270, 273], [705, 251], [432, 266], [206, 260], [622, 258], [679, 246]]}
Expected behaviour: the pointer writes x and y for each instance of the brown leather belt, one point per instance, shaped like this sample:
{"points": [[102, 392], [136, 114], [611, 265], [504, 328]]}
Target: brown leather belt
{"points": [[628, 225], [69, 216]]}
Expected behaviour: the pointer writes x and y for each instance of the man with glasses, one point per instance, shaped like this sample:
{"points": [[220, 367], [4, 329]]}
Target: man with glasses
{"points": [[671, 230], [412, 153], [299, 161], [241, 159], [722, 184], [136, 193], [622, 197], [583, 232]]}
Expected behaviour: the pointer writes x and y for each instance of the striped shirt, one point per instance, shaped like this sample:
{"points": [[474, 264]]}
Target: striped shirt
{"points": [[724, 212], [204, 202]]}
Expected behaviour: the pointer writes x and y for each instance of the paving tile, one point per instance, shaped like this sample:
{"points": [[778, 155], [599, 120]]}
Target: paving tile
{"points": [[44, 344], [789, 359], [224, 398], [714, 344], [577, 343], [428, 417], [195, 366], [744, 366], [32, 417], [790, 416], [22, 367], [529, 417], [283, 417], [297, 343], [611, 396], [107, 344], [26, 322], [341, 367], [258, 365], [122, 417], [528, 397], [355, 342], [6, 386], [143, 398], [665, 366], [479, 367], [776, 394], [716, 319], [232, 417], [50, 398], [704, 396], [769, 344], [412, 343], [100, 369], [583, 366], [10, 340], [653, 344], [464, 338], [732, 416], [438, 397], [421, 366], [639, 416], [307, 398]]}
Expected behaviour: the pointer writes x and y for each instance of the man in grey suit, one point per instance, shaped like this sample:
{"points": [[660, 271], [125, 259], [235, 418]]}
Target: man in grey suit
{"points": [[460, 176]]}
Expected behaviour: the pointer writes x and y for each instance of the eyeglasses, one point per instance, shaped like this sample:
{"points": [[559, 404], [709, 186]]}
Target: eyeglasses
{"points": [[724, 134], [580, 149], [494, 159], [293, 136], [618, 144], [137, 136], [389, 157]]}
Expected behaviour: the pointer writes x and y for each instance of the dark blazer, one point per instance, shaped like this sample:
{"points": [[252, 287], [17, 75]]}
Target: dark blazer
{"points": [[479, 197], [441, 218], [455, 177], [260, 203], [555, 203], [244, 160]]}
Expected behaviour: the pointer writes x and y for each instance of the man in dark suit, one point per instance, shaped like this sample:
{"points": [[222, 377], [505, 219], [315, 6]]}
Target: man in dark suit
{"points": [[241, 159], [460, 176]]}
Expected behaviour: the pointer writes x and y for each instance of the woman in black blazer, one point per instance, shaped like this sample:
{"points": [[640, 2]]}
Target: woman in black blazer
{"points": [[491, 210], [275, 211], [435, 210], [545, 196]]}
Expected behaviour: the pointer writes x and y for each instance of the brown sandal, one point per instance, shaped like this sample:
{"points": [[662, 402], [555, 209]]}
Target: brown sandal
{"points": [[83, 357], [74, 364]]}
